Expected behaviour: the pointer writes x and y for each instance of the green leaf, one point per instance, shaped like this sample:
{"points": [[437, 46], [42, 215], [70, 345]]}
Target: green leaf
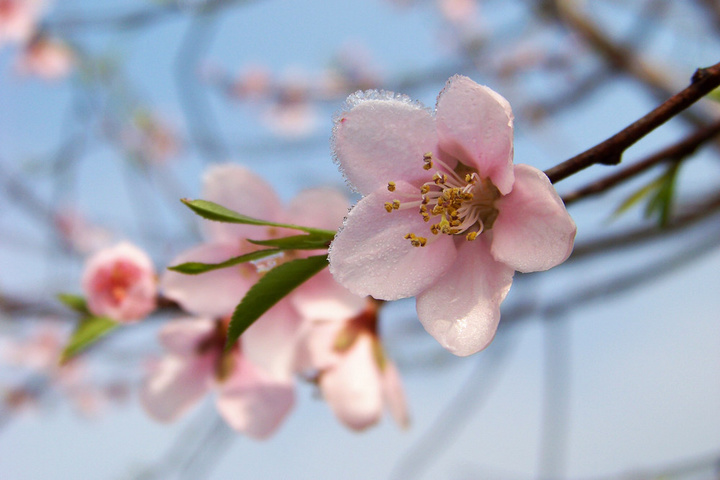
{"points": [[636, 197], [659, 194], [218, 213], [269, 290], [714, 95], [312, 241], [661, 202], [75, 302], [195, 268], [87, 332]]}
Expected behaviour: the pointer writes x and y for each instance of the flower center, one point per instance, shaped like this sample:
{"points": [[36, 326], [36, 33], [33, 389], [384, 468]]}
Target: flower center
{"points": [[457, 201]]}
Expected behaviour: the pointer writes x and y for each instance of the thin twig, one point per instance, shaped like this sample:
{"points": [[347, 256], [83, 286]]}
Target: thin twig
{"points": [[609, 152], [674, 153]]}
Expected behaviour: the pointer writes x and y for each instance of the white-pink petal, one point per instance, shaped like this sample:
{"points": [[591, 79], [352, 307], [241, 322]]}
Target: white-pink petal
{"points": [[394, 395], [462, 309], [322, 298], [237, 188], [270, 343], [182, 337], [318, 208], [252, 402], [215, 293], [475, 125], [176, 385], [533, 231], [352, 388], [370, 255], [382, 138], [316, 345]]}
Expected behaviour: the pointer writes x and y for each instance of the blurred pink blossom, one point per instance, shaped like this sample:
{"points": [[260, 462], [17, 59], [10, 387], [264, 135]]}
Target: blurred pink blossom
{"points": [[120, 283], [351, 368], [251, 400], [446, 216], [46, 58], [18, 19], [216, 293]]}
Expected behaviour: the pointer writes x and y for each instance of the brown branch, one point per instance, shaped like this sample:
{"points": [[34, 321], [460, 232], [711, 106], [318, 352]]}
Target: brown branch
{"points": [[674, 153], [610, 151]]}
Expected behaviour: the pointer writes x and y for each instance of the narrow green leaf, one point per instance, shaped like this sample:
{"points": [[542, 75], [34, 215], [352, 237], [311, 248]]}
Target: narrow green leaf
{"points": [[661, 202], [195, 268], [75, 302], [636, 197], [311, 241], [269, 290], [218, 213], [87, 332]]}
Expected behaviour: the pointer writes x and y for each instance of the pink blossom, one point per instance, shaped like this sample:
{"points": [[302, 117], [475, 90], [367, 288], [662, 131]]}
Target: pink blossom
{"points": [[217, 293], [250, 399], [120, 283], [18, 19], [351, 369], [445, 216], [46, 58]]}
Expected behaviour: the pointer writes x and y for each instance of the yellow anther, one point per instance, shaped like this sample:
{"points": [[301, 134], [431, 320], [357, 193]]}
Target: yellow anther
{"points": [[425, 189], [416, 241], [424, 200], [391, 186], [428, 166], [396, 204], [435, 229], [471, 236], [388, 206]]}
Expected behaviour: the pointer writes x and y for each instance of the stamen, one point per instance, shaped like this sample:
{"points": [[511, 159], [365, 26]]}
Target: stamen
{"points": [[391, 186], [416, 241]]}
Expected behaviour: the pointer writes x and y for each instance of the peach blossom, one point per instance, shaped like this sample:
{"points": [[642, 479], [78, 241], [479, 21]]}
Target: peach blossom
{"points": [[120, 283], [445, 216], [251, 400]]}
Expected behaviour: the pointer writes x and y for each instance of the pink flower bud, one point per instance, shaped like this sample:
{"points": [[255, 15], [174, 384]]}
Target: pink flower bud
{"points": [[120, 283]]}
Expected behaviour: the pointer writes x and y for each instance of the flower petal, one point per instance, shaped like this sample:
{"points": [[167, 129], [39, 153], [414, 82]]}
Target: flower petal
{"points": [[237, 188], [176, 385], [322, 298], [475, 125], [352, 388], [462, 309], [370, 255], [271, 341], [182, 336], [533, 230], [318, 208], [215, 293], [253, 403], [316, 345], [394, 395], [382, 138]]}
